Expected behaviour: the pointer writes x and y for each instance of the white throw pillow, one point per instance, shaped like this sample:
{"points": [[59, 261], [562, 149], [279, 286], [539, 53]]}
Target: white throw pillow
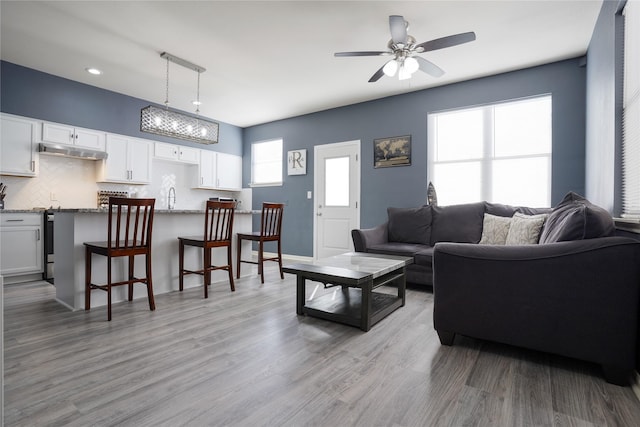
{"points": [[495, 229], [525, 229]]}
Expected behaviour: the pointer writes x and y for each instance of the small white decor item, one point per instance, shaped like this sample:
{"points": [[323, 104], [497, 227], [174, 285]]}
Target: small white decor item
{"points": [[297, 162]]}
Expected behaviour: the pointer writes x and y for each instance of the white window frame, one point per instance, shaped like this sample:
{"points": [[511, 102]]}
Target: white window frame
{"points": [[631, 113], [488, 149], [255, 161]]}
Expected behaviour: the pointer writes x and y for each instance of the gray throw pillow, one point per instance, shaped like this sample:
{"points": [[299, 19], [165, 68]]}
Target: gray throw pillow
{"points": [[575, 218], [457, 223], [409, 225], [525, 229]]}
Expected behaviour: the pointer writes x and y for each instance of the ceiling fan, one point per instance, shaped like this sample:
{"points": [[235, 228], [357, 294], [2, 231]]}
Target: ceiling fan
{"points": [[405, 51]]}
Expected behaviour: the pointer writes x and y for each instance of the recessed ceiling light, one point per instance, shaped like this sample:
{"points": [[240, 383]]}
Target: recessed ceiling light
{"points": [[93, 71]]}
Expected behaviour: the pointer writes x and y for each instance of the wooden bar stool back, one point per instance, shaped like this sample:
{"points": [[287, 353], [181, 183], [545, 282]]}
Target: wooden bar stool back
{"points": [[130, 224], [270, 231], [218, 230]]}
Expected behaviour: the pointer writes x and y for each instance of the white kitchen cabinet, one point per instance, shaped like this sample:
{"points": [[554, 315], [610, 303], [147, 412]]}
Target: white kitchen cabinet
{"points": [[21, 244], [229, 172], [128, 161], [69, 135], [18, 146], [177, 153], [207, 169], [219, 171]]}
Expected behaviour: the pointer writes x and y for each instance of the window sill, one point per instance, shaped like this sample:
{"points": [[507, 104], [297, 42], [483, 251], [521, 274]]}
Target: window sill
{"points": [[628, 224], [272, 184]]}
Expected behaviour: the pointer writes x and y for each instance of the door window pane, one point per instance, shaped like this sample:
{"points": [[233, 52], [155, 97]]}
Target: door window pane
{"points": [[336, 184]]}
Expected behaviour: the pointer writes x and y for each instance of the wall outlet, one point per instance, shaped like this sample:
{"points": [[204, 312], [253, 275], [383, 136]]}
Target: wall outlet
{"points": [[53, 196], [308, 194]]}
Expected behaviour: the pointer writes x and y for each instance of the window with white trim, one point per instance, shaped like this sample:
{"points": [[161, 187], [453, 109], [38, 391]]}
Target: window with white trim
{"points": [[500, 153], [631, 112], [266, 163]]}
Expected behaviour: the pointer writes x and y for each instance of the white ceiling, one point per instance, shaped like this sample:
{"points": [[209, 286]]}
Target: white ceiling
{"points": [[270, 60]]}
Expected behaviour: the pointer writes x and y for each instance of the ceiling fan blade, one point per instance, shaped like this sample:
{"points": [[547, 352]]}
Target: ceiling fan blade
{"points": [[376, 76], [398, 27], [448, 41], [429, 67], [363, 53]]}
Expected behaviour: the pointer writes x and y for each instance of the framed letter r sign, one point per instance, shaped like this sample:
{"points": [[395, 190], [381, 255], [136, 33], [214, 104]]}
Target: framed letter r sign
{"points": [[297, 162]]}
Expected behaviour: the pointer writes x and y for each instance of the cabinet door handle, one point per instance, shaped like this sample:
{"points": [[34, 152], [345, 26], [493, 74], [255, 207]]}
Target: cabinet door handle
{"points": [[33, 165], [38, 234], [15, 220], [201, 180]]}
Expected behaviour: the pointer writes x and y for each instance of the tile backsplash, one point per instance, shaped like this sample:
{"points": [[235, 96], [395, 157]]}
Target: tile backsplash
{"points": [[72, 182]]}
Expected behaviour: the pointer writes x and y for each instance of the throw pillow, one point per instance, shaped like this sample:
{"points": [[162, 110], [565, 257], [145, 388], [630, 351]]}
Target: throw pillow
{"points": [[495, 229], [457, 223], [525, 229], [575, 218], [409, 225]]}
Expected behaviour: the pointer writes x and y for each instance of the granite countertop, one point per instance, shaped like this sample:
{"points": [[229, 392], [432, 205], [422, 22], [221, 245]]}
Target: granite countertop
{"points": [[105, 210]]}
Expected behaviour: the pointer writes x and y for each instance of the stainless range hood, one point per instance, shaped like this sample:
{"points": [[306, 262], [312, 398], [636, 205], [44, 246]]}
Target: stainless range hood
{"points": [[71, 151]]}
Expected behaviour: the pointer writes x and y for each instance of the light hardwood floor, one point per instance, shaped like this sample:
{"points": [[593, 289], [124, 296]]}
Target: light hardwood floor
{"points": [[246, 359]]}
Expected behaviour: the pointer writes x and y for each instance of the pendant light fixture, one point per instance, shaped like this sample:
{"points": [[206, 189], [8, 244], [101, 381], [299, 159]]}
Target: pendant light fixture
{"points": [[163, 121]]}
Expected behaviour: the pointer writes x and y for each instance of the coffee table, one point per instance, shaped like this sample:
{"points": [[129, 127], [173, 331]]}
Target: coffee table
{"points": [[358, 274]]}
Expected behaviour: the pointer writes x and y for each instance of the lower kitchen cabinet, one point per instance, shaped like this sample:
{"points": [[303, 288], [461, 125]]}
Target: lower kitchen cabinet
{"points": [[21, 250]]}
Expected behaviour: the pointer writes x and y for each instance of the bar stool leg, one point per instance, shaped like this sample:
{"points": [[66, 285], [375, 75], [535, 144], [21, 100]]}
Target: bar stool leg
{"points": [[131, 268], [87, 279], [152, 302], [109, 288], [239, 254], [207, 270], [181, 265], [260, 257], [230, 268]]}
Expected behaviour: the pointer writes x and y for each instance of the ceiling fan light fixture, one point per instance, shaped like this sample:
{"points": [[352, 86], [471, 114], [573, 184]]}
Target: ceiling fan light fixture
{"points": [[411, 65], [403, 73], [390, 68]]}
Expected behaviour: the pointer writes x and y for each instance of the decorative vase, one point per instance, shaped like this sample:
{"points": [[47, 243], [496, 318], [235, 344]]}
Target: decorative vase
{"points": [[432, 197]]}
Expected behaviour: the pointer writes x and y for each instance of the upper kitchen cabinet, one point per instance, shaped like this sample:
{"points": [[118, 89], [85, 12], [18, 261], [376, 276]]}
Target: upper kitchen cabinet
{"points": [[18, 146], [229, 172], [128, 161], [219, 171], [63, 134], [177, 153]]}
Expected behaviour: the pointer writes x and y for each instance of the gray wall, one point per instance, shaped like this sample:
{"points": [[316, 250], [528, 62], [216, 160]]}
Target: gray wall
{"points": [[407, 115], [604, 109], [31, 93]]}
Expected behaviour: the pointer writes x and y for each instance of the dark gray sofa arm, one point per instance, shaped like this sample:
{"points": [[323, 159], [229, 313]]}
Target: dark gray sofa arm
{"points": [[367, 237], [578, 299]]}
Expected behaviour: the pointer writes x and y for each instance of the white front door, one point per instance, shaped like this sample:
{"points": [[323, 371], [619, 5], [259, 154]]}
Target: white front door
{"points": [[337, 197]]}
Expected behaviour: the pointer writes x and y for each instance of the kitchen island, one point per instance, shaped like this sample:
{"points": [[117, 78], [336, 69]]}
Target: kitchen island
{"points": [[73, 227]]}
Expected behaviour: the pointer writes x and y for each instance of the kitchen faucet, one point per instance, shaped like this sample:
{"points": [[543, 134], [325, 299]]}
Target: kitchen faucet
{"points": [[172, 196]]}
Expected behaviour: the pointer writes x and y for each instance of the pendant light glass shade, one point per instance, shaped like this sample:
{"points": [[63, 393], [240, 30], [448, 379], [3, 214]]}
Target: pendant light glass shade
{"points": [[162, 121]]}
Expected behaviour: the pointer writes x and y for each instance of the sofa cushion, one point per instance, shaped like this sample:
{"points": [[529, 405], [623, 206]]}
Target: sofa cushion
{"points": [[424, 257], [495, 229], [409, 225], [498, 209], [525, 229], [457, 223], [575, 218], [396, 248]]}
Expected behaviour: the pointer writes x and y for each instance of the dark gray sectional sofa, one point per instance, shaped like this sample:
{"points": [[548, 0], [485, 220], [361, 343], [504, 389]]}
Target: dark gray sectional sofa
{"points": [[574, 293]]}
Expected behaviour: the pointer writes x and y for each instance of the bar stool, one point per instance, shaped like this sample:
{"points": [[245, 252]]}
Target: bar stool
{"points": [[270, 227], [218, 229], [128, 234]]}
